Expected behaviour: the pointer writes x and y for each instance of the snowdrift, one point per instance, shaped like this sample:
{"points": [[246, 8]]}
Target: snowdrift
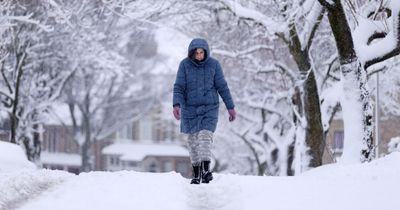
{"points": [[12, 158]]}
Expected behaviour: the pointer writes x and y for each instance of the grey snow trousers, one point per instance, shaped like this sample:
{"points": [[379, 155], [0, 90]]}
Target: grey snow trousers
{"points": [[200, 146]]}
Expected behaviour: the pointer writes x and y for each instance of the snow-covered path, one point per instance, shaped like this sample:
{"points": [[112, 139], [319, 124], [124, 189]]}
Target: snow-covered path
{"points": [[133, 190], [371, 186]]}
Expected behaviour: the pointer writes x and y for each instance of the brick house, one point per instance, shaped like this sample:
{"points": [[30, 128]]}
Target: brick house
{"points": [[146, 156], [60, 151], [389, 127]]}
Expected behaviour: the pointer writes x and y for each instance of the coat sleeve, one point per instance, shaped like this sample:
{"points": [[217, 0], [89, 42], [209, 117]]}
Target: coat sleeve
{"points": [[179, 86], [222, 87]]}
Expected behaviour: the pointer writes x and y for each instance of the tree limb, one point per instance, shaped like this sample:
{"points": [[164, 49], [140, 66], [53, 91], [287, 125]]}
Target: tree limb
{"points": [[376, 35], [391, 54], [253, 150], [314, 28], [5, 78], [325, 4]]}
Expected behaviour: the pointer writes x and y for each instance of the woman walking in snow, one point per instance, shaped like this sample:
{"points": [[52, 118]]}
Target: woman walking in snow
{"points": [[195, 100]]}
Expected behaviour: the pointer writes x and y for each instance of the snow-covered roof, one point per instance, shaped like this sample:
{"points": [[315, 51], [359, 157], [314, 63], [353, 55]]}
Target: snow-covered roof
{"points": [[138, 151], [60, 114], [61, 159]]}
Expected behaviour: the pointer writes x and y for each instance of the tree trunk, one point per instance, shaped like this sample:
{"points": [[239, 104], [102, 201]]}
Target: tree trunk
{"points": [[86, 165], [307, 100], [356, 103], [13, 115], [36, 144], [314, 130]]}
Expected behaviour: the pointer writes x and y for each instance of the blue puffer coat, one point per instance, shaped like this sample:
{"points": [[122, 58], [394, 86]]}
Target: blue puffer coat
{"points": [[196, 90]]}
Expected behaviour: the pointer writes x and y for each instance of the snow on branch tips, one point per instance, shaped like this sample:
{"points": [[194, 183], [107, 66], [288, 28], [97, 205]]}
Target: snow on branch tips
{"points": [[250, 50], [375, 44], [242, 12], [28, 19], [326, 3]]}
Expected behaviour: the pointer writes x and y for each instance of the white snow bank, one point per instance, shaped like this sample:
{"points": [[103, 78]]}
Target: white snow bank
{"points": [[13, 158], [368, 186], [386, 166], [18, 187]]}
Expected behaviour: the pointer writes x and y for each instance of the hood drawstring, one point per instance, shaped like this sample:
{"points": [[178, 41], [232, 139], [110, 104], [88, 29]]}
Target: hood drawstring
{"points": [[204, 80]]}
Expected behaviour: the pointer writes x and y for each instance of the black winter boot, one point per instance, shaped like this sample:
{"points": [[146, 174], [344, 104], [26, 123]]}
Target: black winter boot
{"points": [[196, 174], [206, 175]]}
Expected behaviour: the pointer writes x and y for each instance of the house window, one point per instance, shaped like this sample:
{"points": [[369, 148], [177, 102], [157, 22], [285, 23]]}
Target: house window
{"points": [[51, 141], [111, 160], [153, 167], [114, 160], [338, 138], [145, 129], [182, 167], [168, 166], [132, 164]]}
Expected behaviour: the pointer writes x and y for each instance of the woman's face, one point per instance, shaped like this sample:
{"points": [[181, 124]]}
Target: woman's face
{"points": [[199, 54]]}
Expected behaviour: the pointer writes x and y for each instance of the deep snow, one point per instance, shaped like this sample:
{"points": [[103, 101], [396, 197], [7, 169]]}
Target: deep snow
{"points": [[367, 186]]}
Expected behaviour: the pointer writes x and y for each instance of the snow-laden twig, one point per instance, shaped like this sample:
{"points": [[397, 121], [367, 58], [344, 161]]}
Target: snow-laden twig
{"points": [[27, 19]]}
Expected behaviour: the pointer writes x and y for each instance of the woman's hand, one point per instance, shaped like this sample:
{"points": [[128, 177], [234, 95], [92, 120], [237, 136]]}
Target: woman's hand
{"points": [[232, 114], [177, 112]]}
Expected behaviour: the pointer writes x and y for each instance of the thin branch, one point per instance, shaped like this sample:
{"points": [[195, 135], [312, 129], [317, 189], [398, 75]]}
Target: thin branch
{"points": [[315, 27], [328, 73], [391, 54], [325, 4], [286, 70], [282, 36], [378, 10], [376, 71], [352, 10], [243, 52], [376, 35], [252, 148], [5, 78]]}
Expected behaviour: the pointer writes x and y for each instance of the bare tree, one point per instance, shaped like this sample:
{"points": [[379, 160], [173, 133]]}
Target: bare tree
{"points": [[29, 83], [295, 25]]}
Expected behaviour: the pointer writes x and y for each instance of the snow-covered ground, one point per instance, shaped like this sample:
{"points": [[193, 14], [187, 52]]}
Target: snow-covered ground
{"points": [[373, 185]]}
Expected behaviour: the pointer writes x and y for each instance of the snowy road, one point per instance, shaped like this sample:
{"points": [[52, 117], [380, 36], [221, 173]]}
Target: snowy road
{"points": [[369, 186]]}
